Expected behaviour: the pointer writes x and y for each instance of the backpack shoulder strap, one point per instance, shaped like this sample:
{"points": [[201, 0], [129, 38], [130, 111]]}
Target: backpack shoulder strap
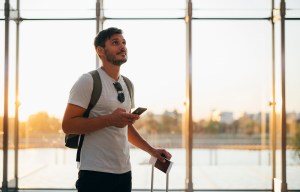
{"points": [[96, 93], [97, 89], [130, 89]]}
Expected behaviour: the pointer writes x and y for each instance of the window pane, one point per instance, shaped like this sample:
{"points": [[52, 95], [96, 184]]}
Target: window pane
{"points": [[231, 8], [278, 101], [58, 9], [231, 90], [11, 103], [293, 9], [293, 103], [13, 6], [156, 65], [144, 8], [53, 54], [11, 99], [2, 13]]}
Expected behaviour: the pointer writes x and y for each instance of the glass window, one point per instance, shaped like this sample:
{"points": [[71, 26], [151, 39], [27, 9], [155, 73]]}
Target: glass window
{"points": [[11, 104], [293, 9], [293, 103], [13, 6], [144, 8], [231, 90], [11, 99], [232, 65], [58, 9], [2, 13], [53, 54], [278, 101], [156, 65], [231, 8]]}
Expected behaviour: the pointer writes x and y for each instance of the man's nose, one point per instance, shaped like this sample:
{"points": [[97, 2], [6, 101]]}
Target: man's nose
{"points": [[123, 48]]}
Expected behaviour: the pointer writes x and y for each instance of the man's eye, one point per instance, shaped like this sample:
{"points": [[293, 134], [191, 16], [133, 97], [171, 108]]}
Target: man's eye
{"points": [[115, 43]]}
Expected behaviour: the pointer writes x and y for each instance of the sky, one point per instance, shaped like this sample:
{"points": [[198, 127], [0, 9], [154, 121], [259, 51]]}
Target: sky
{"points": [[231, 64]]}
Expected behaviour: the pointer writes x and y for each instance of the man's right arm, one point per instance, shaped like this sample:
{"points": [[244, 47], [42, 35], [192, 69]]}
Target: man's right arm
{"points": [[75, 123]]}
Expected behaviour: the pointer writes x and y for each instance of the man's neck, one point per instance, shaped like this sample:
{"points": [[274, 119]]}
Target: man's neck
{"points": [[113, 71]]}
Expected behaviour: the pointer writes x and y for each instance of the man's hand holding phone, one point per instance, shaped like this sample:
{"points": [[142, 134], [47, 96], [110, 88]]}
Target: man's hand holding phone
{"points": [[135, 115]]}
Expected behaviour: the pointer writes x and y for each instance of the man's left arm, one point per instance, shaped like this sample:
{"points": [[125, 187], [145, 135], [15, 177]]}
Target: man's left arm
{"points": [[136, 139]]}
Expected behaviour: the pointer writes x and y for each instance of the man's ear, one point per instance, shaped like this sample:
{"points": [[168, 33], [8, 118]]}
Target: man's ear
{"points": [[100, 51]]}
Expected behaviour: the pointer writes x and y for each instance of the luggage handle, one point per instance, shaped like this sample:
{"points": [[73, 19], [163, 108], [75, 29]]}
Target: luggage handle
{"points": [[152, 179]]}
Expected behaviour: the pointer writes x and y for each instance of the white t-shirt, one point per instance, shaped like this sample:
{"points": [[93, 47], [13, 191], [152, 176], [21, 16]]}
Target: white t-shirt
{"points": [[107, 149]]}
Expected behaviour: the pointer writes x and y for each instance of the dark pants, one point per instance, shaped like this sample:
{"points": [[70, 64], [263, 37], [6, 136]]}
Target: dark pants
{"points": [[93, 181]]}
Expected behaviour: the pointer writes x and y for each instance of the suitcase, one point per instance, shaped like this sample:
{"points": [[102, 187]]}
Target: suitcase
{"points": [[152, 179]]}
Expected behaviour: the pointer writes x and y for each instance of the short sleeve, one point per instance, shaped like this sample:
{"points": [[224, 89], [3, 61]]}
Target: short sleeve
{"points": [[80, 93]]}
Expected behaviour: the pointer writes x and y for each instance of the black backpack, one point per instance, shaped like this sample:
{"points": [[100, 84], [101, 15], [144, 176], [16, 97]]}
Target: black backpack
{"points": [[75, 141]]}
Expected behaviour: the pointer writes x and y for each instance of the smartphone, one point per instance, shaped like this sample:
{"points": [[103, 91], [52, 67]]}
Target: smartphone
{"points": [[139, 110]]}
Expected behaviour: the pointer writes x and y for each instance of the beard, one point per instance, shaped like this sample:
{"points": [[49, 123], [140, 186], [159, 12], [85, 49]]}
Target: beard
{"points": [[112, 58]]}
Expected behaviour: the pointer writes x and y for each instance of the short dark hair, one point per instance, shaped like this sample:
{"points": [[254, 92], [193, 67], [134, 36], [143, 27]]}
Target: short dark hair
{"points": [[104, 35]]}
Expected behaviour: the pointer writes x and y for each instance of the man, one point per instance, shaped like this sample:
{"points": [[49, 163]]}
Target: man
{"points": [[104, 159]]}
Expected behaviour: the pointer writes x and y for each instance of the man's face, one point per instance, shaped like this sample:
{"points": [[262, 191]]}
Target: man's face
{"points": [[115, 50]]}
